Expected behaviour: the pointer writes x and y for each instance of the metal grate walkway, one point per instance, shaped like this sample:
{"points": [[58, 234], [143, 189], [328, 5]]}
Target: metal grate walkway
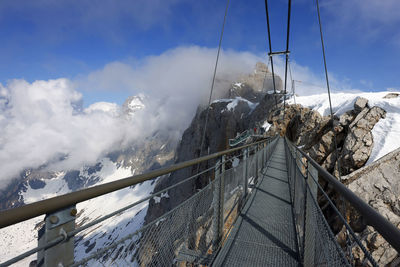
{"points": [[264, 233]]}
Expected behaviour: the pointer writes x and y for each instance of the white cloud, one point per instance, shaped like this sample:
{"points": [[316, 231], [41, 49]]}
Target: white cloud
{"points": [[177, 80], [43, 121]]}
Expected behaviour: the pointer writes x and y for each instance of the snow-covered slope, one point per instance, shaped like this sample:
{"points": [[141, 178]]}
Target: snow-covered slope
{"points": [[19, 238], [136, 157], [386, 132]]}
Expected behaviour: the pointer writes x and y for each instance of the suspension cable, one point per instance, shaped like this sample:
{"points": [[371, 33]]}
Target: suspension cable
{"points": [[270, 51], [327, 85], [292, 82], [348, 241], [213, 82], [287, 56]]}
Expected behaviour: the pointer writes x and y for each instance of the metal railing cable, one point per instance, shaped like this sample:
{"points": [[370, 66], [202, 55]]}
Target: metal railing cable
{"points": [[60, 239], [352, 233], [287, 56], [29, 211], [372, 217], [317, 245], [270, 51], [331, 113], [101, 251], [213, 82], [74, 232], [343, 220]]}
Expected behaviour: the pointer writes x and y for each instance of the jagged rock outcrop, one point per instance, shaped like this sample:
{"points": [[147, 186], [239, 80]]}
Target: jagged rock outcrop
{"points": [[378, 184], [261, 79], [359, 141], [226, 117], [307, 128], [316, 135]]}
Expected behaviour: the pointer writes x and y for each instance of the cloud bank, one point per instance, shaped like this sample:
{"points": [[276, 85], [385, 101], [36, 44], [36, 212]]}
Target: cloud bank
{"points": [[43, 123]]}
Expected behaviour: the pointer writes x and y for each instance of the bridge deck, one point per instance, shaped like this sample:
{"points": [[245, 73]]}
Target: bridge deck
{"points": [[264, 233]]}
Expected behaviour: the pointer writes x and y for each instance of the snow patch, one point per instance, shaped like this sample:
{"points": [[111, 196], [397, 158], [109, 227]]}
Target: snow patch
{"points": [[266, 125]]}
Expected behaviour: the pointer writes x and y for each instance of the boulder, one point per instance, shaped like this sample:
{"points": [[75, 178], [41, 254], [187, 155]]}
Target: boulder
{"points": [[360, 104], [359, 141], [378, 184]]}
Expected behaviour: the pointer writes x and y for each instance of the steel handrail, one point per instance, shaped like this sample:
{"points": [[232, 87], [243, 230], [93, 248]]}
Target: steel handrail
{"points": [[390, 232], [29, 211]]}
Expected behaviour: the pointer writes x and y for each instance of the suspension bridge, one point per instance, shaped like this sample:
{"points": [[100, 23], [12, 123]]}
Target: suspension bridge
{"points": [[259, 208]]}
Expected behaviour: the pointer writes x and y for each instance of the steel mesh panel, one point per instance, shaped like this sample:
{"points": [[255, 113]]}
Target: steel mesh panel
{"points": [[264, 234], [321, 246], [316, 241], [185, 228]]}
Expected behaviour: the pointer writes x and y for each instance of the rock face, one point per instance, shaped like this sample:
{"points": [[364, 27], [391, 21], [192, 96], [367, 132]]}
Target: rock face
{"points": [[318, 134], [261, 79], [245, 106], [307, 128], [378, 184], [241, 110]]}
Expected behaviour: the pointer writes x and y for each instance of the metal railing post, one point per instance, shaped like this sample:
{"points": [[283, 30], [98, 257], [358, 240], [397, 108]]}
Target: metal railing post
{"points": [[257, 159], [262, 156], [215, 223], [309, 245], [305, 212], [57, 224], [246, 172], [218, 202]]}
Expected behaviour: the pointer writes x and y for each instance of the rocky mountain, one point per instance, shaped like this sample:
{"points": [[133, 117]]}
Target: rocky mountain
{"points": [[245, 103], [366, 128], [148, 153], [375, 181]]}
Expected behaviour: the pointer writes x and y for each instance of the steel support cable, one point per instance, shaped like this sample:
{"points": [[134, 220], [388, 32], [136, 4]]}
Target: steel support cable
{"points": [[270, 51], [213, 82], [353, 234], [292, 82], [347, 226], [287, 56], [155, 221], [327, 85], [384, 227], [60, 239], [104, 249], [332, 118]]}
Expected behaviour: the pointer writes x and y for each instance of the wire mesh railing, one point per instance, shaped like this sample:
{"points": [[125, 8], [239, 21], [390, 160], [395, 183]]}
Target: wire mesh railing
{"points": [[318, 245], [189, 233]]}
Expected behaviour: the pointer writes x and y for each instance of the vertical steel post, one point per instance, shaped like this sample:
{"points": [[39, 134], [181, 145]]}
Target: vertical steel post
{"points": [[256, 159], [57, 224], [216, 198], [221, 199], [309, 246], [305, 182], [218, 202], [245, 180], [262, 156]]}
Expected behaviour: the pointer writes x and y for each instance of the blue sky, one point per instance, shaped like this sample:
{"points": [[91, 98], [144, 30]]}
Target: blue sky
{"points": [[48, 39]]}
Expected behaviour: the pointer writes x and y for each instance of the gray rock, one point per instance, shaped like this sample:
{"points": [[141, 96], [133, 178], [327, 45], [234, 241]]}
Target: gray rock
{"points": [[378, 184], [359, 141], [391, 95], [360, 104]]}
